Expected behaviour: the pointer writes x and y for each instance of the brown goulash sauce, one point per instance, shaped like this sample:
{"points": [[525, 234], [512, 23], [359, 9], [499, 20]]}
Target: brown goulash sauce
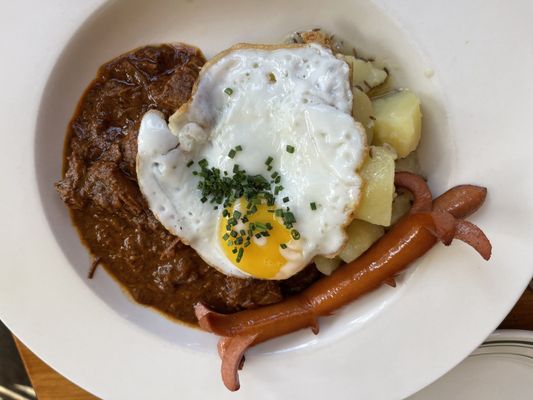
{"points": [[100, 188]]}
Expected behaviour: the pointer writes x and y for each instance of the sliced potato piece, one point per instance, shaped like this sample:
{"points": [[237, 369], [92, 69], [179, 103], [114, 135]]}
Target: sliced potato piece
{"points": [[398, 121], [377, 193], [327, 265], [400, 206], [362, 111], [361, 235], [365, 74]]}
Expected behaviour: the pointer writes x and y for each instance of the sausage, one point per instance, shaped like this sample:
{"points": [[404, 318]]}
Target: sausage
{"points": [[461, 201], [410, 238]]}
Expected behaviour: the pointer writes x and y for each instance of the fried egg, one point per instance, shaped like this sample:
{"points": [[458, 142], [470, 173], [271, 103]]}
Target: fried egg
{"points": [[258, 171]]}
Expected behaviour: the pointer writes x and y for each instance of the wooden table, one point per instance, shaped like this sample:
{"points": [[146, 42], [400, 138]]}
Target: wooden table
{"points": [[49, 385]]}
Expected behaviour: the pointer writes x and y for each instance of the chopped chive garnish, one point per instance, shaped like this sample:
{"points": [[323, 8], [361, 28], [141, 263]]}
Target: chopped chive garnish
{"points": [[222, 189], [203, 199], [239, 256], [234, 251], [290, 149], [288, 217], [283, 246], [313, 205], [228, 91]]}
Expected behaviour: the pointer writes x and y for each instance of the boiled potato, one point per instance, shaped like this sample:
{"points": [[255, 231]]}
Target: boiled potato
{"points": [[361, 235], [363, 111], [378, 190], [400, 206], [365, 74], [398, 121], [327, 265]]}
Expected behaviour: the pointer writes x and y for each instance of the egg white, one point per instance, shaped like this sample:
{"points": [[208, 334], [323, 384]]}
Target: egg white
{"points": [[263, 98]]}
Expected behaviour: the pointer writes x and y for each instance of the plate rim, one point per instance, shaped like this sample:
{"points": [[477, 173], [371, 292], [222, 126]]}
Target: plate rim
{"points": [[29, 333]]}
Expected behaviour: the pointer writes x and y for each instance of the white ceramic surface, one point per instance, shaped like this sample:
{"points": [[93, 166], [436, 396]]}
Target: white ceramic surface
{"points": [[501, 368], [470, 63]]}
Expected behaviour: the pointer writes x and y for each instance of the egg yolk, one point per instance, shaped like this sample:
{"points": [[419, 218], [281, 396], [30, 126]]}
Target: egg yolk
{"points": [[260, 256]]}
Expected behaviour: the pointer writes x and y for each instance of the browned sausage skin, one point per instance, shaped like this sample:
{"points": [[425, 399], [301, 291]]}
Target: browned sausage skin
{"points": [[427, 222]]}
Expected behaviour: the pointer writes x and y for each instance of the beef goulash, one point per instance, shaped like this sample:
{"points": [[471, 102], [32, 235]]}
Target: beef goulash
{"points": [[107, 208]]}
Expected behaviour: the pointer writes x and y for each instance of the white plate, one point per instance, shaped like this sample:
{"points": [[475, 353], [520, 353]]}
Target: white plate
{"points": [[389, 344], [501, 368]]}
